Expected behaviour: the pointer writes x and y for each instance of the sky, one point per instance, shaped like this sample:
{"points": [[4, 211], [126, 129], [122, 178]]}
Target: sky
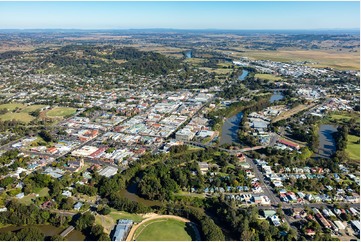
{"points": [[180, 15]]}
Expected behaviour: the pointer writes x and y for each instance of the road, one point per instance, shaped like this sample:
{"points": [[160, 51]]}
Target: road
{"points": [[274, 200]]}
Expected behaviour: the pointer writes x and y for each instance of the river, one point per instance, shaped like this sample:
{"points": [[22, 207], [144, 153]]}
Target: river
{"points": [[231, 125], [48, 230], [327, 144], [130, 193], [243, 75], [276, 96]]}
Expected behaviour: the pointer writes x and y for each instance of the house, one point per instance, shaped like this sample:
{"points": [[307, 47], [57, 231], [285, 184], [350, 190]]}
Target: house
{"points": [[47, 204], [66, 193], [78, 205], [275, 220], [310, 232], [297, 211], [20, 195]]}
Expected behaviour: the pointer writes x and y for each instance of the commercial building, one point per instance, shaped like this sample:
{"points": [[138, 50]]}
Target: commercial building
{"points": [[122, 230]]}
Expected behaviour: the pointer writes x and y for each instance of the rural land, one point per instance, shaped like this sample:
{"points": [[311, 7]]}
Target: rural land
{"points": [[165, 134]]}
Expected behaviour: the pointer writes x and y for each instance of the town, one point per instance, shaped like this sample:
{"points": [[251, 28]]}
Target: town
{"points": [[95, 144]]}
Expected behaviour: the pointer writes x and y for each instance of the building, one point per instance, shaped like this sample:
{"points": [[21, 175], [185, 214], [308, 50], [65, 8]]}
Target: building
{"points": [[108, 171], [78, 205], [289, 144], [122, 229], [339, 225], [203, 166], [356, 226], [184, 135], [66, 193], [20, 195], [268, 213]]}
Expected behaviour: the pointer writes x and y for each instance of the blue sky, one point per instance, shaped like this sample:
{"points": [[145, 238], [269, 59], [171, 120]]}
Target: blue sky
{"points": [[182, 15]]}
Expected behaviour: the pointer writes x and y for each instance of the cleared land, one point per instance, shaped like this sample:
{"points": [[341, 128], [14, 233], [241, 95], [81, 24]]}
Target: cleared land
{"points": [[268, 77], [353, 148], [340, 60], [292, 112], [60, 112], [163, 230]]}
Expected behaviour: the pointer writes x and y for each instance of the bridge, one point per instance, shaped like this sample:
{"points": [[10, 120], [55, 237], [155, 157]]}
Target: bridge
{"points": [[67, 231]]}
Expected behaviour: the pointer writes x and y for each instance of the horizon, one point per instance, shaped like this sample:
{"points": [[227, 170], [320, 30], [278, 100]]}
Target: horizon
{"points": [[180, 15]]}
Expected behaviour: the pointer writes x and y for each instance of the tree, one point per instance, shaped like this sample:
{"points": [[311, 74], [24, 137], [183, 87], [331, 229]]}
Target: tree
{"points": [[67, 203], [30, 233], [97, 230], [8, 236], [57, 237], [105, 210], [104, 237], [46, 136], [85, 220]]}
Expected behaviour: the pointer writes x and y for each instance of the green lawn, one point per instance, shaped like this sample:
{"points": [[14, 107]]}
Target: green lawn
{"points": [[353, 149], [267, 77], [31, 108], [163, 230], [124, 215], [60, 112], [339, 117], [12, 106], [28, 198], [24, 117]]}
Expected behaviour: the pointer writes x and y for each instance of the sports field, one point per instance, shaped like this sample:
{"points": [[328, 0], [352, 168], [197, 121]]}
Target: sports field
{"points": [[163, 229], [60, 112], [353, 148]]}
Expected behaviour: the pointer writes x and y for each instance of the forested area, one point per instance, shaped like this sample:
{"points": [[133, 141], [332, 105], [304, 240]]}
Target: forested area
{"points": [[99, 61]]}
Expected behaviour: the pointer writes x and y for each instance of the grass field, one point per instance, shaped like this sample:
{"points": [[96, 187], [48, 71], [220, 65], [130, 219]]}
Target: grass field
{"points": [[42, 193], [124, 215], [163, 230], [31, 108], [24, 117], [12, 106], [353, 149], [21, 115], [60, 112], [333, 59], [268, 77]]}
